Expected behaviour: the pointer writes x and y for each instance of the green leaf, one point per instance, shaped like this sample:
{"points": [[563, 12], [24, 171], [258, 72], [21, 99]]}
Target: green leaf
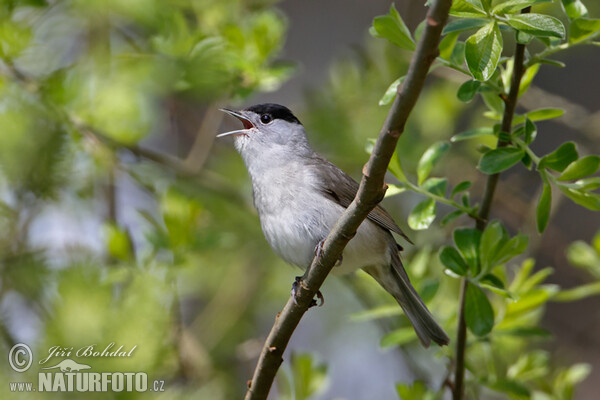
{"points": [[585, 199], [453, 261], [392, 27], [543, 114], [395, 167], [458, 54], [530, 131], [309, 377], [461, 187], [582, 29], [543, 207], [528, 76], [493, 238], [467, 241], [579, 292], [479, 314], [482, 51], [467, 8], [118, 242], [447, 45], [513, 6], [472, 133], [417, 391], [582, 255], [391, 91], [560, 158], [510, 249], [467, 90], [512, 388], [538, 25], [429, 159], [574, 9], [436, 186], [422, 215], [398, 337], [464, 24], [451, 217], [581, 168], [500, 159]]}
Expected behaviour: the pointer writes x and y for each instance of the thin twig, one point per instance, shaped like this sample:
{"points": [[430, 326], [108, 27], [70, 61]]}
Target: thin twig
{"points": [[371, 191], [510, 105]]}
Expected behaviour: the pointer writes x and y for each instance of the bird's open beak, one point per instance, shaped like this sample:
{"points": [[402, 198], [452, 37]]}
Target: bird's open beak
{"points": [[247, 124]]}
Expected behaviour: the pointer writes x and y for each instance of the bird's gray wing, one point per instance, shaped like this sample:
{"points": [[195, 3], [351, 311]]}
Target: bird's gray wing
{"points": [[341, 188]]}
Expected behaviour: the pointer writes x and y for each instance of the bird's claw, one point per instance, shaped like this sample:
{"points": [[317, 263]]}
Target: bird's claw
{"points": [[319, 301], [319, 250]]}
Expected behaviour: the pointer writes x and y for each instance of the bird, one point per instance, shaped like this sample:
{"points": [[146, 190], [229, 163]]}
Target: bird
{"points": [[299, 196]]}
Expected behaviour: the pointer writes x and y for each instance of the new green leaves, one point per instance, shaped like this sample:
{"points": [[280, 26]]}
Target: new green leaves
{"points": [[500, 159], [392, 27], [482, 51], [429, 159], [479, 314], [537, 25]]}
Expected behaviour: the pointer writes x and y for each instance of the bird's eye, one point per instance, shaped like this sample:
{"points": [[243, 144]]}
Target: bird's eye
{"points": [[266, 118]]}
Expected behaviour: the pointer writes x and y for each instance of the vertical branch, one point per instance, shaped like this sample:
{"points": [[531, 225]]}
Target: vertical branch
{"points": [[510, 104]]}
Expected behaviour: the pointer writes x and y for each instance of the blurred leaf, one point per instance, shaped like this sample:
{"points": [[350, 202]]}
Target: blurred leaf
{"points": [[398, 337], [574, 9], [564, 384], [416, 391], [582, 255], [581, 168], [467, 90], [560, 158], [479, 314], [543, 207], [510, 387], [467, 241], [118, 242], [530, 366], [453, 261], [308, 378], [391, 91], [392, 27], [422, 215], [542, 114], [582, 29], [531, 300], [472, 133], [14, 38], [483, 50], [429, 158], [384, 311], [579, 292], [500, 159]]}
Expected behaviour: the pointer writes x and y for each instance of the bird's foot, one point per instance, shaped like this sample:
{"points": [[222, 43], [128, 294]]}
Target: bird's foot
{"points": [[319, 250], [319, 301]]}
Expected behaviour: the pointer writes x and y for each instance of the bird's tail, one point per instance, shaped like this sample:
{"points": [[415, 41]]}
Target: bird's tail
{"points": [[394, 279]]}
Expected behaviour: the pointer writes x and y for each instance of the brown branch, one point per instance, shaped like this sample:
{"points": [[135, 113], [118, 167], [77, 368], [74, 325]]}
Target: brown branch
{"points": [[510, 104], [370, 192]]}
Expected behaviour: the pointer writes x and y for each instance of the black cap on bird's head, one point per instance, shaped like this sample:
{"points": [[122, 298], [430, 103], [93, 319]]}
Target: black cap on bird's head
{"points": [[259, 116]]}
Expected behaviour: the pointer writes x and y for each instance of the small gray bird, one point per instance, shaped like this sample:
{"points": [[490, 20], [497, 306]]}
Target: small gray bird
{"points": [[300, 195]]}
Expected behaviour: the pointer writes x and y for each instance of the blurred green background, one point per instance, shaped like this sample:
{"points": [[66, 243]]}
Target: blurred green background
{"points": [[122, 220]]}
